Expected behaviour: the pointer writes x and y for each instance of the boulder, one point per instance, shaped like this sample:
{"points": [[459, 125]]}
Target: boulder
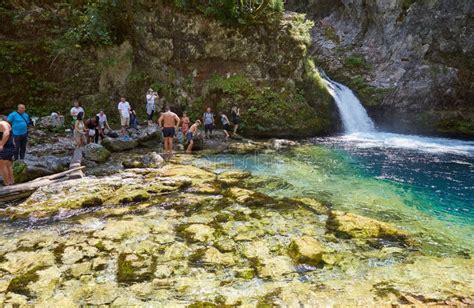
{"points": [[150, 160], [34, 167], [96, 152], [280, 144], [348, 225], [150, 136], [53, 121], [306, 250], [119, 144]]}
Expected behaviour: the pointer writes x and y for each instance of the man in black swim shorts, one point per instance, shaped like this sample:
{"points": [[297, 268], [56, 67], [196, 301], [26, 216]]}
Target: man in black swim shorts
{"points": [[168, 122]]}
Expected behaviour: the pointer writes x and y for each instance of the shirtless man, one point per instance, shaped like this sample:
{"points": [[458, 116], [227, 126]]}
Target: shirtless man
{"points": [[168, 122], [190, 135], [7, 151]]}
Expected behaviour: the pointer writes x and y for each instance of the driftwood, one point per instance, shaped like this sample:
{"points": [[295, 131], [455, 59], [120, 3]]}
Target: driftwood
{"points": [[18, 191]]}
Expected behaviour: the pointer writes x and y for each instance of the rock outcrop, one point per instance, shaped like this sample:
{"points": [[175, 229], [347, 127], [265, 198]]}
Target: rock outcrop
{"points": [[412, 72]]}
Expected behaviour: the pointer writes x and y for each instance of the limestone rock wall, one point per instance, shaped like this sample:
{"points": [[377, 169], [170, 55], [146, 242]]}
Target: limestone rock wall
{"points": [[411, 61]]}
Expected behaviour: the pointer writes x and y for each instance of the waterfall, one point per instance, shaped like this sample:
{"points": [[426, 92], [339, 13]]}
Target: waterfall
{"points": [[354, 117]]}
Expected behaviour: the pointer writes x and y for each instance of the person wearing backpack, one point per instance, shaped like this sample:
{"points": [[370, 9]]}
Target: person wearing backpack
{"points": [[20, 121]]}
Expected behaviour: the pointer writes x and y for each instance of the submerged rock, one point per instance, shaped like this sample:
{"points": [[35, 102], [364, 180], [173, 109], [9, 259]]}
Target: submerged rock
{"points": [[199, 233], [350, 225], [307, 250], [275, 267], [214, 256], [233, 177]]}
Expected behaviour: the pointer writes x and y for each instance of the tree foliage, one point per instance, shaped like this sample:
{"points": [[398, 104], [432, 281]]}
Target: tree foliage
{"points": [[235, 11]]}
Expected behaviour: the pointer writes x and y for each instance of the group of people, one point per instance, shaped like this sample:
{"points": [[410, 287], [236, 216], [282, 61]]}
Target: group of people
{"points": [[14, 131], [13, 141], [169, 123]]}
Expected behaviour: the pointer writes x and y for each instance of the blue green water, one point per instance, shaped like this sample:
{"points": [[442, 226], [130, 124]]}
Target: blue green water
{"points": [[426, 189]]}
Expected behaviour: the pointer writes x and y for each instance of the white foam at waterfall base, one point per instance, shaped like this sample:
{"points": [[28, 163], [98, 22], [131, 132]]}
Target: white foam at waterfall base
{"points": [[360, 130]]}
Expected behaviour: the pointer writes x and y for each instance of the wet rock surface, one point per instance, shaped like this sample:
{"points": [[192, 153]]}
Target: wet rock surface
{"points": [[181, 234]]}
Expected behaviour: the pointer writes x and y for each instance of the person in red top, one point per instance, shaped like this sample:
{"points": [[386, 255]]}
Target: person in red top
{"points": [[185, 123]]}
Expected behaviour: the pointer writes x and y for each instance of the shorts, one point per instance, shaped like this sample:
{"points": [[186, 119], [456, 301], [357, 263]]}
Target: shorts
{"points": [[189, 137], [227, 127], [168, 132], [236, 121], [208, 127], [91, 132], [7, 153], [124, 121]]}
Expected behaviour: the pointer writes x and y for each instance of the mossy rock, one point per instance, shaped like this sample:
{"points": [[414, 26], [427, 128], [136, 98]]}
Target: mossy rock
{"points": [[248, 197], [19, 284], [348, 225], [135, 268], [306, 250], [128, 194], [233, 177]]}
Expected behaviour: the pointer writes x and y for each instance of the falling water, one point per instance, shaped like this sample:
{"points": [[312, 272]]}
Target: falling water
{"points": [[354, 117]]}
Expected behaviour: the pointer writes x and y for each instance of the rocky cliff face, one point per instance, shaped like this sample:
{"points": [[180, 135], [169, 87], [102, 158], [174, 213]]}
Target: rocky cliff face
{"points": [[410, 61], [192, 61]]}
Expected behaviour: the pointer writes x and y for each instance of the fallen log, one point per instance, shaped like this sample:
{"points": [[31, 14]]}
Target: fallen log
{"points": [[18, 191]]}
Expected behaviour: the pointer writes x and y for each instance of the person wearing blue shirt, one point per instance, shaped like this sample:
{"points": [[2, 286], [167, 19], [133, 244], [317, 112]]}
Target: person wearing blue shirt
{"points": [[20, 121]]}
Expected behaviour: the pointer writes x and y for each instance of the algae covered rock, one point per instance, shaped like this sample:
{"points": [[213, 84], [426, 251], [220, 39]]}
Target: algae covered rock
{"points": [[233, 177], [214, 256], [199, 233], [350, 225], [306, 250], [246, 196], [135, 268], [96, 152], [275, 267]]}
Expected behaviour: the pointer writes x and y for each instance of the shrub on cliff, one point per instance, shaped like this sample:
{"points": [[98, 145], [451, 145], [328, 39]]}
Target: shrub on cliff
{"points": [[235, 11]]}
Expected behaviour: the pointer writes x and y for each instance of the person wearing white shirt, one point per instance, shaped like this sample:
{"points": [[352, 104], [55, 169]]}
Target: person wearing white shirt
{"points": [[102, 120], [75, 110], [124, 110], [151, 97]]}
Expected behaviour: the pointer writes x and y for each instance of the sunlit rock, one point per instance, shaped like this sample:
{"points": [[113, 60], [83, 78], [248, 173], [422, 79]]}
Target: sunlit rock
{"points": [[354, 226], [200, 233], [275, 267], [214, 256], [307, 250]]}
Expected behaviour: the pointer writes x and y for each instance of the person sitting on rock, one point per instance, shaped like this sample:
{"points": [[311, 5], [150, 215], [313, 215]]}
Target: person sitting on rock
{"points": [[169, 123], [191, 133], [208, 120], [7, 151], [226, 124], [103, 123]]}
